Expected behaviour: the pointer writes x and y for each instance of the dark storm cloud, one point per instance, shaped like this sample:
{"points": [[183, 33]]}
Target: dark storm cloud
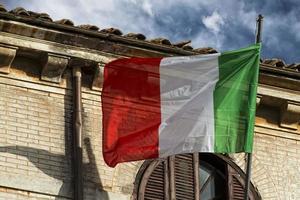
{"points": [[224, 25]]}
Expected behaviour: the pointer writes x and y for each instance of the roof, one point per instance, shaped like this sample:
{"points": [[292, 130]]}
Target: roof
{"points": [[43, 19]]}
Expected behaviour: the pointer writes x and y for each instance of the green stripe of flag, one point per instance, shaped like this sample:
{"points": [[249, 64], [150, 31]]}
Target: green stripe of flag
{"points": [[235, 100]]}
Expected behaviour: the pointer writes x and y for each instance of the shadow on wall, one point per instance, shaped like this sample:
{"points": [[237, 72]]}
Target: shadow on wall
{"points": [[91, 167], [40, 158]]}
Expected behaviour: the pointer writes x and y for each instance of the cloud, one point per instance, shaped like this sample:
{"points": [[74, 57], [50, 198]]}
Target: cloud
{"points": [[225, 26], [213, 22], [147, 7]]}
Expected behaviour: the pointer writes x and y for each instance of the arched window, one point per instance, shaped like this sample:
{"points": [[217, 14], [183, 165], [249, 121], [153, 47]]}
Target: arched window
{"points": [[196, 176]]}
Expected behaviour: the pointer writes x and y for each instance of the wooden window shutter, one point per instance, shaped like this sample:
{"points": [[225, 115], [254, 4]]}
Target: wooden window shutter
{"points": [[155, 186], [185, 181], [177, 178], [174, 178], [236, 185]]}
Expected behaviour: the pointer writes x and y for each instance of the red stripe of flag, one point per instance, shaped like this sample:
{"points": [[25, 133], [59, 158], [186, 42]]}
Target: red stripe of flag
{"points": [[131, 110]]}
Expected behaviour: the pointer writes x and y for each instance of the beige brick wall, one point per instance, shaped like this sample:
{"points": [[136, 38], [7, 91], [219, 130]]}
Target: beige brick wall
{"points": [[34, 127], [281, 159], [12, 194], [275, 168], [118, 180], [35, 144]]}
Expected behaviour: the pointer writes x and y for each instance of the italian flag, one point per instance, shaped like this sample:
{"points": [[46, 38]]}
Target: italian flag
{"points": [[157, 107]]}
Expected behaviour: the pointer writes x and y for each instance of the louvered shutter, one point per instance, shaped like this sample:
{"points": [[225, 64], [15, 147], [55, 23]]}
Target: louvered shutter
{"points": [[178, 178], [184, 177], [236, 184], [155, 187]]}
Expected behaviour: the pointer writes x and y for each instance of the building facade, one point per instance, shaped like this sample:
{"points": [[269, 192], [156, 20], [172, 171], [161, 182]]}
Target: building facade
{"points": [[39, 63]]}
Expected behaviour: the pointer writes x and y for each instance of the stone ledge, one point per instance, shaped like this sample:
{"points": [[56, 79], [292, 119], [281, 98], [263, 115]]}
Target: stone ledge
{"points": [[278, 132], [56, 48], [266, 90], [35, 184]]}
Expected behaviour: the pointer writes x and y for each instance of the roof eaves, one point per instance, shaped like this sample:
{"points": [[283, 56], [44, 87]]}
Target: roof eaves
{"points": [[102, 35], [291, 73], [275, 66]]}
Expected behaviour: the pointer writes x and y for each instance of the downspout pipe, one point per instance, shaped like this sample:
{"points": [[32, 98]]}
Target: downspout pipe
{"points": [[77, 134]]}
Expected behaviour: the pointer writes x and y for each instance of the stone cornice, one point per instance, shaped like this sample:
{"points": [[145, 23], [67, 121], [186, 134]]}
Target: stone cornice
{"points": [[283, 133], [285, 105], [59, 55], [77, 37]]}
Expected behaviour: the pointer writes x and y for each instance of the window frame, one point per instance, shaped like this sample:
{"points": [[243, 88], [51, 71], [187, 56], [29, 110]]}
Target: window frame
{"points": [[234, 175]]}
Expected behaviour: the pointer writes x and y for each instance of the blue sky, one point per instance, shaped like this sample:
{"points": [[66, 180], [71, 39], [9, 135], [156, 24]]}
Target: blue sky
{"points": [[221, 24]]}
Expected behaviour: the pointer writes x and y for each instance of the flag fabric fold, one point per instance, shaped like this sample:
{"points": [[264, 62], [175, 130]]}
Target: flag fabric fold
{"points": [[157, 107]]}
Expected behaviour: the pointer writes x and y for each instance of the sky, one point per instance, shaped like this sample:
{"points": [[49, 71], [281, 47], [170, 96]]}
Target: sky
{"points": [[221, 24]]}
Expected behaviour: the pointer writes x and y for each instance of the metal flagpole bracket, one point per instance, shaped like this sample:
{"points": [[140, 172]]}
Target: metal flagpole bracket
{"points": [[259, 21]]}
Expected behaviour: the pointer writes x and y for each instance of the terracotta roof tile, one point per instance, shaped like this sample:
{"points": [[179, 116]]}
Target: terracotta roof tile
{"points": [[137, 36], [162, 41], [20, 11], [2, 8], [279, 64], [44, 16], [65, 22], [294, 66], [275, 62], [206, 50], [33, 14], [41, 16], [114, 31], [185, 45], [89, 27], [182, 43]]}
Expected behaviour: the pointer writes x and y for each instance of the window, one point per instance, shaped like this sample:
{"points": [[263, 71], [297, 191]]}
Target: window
{"points": [[212, 182], [191, 177]]}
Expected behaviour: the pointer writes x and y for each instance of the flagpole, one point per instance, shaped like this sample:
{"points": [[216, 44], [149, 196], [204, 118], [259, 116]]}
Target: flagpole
{"points": [[259, 21]]}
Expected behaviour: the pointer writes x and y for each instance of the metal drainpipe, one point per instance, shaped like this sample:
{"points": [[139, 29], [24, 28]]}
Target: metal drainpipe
{"points": [[77, 134]]}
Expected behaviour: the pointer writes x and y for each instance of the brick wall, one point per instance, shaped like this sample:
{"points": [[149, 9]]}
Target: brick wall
{"points": [[34, 127], [116, 182], [281, 160], [35, 145], [275, 165]]}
